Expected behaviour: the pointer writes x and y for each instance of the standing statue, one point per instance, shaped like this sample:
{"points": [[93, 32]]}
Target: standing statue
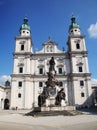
{"points": [[52, 64]]}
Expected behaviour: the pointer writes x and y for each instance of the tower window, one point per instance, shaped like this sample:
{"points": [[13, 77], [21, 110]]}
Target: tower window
{"points": [[20, 70], [77, 46], [60, 70], [71, 31], [20, 83], [19, 95], [40, 70], [22, 47], [80, 69], [82, 94], [81, 83], [40, 84]]}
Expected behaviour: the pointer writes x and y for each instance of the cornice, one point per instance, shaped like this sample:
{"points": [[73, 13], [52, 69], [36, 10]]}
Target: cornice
{"points": [[21, 75], [22, 53], [23, 37], [38, 76], [80, 74], [74, 53], [65, 55], [76, 36]]}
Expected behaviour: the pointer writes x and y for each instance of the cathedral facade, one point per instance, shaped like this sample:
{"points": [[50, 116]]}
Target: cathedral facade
{"points": [[30, 69]]}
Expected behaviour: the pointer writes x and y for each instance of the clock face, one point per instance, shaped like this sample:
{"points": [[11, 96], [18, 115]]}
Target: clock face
{"points": [[77, 41]]}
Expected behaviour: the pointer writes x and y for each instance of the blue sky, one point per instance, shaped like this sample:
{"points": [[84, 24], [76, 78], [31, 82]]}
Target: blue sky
{"points": [[46, 18]]}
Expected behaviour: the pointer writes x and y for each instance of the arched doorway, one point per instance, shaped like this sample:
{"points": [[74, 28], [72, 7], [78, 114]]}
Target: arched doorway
{"points": [[6, 104]]}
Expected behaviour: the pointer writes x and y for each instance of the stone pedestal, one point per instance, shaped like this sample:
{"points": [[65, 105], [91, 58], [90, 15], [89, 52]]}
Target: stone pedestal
{"points": [[55, 108], [63, 104], [52, 95], [50, 101]]}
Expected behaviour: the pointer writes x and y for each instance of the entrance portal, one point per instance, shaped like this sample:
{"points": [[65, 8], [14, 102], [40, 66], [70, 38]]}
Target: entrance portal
{"points": [[6, 104]]}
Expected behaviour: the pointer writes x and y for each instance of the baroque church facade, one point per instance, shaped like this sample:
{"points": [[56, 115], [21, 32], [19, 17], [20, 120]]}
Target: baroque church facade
{"points": [[30, 69]]}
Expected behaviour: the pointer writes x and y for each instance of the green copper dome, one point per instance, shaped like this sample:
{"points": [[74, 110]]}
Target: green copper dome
{"points": [[25, 25], [73, 23]]}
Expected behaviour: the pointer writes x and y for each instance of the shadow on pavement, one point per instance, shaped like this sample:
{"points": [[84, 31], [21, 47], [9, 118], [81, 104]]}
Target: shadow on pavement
{"points": [[92, 110]]}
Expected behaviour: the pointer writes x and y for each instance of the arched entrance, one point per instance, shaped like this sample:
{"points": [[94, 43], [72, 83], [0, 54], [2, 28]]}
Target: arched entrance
{"points": [[6, 104]]}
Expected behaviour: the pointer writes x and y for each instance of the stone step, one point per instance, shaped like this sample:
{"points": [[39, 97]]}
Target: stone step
{"points": [[53, 113]]}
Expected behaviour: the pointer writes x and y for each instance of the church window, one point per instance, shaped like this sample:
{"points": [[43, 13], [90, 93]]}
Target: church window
{"points": [[77, 46], [6, 93], [21, 70], [22, 47], [40, 70], [47, 48], [40, 84], [23, 31], [82, 94], [60, 70], [80, 69], [51, 48], [20, 83], [19, 95], [81, 83]]}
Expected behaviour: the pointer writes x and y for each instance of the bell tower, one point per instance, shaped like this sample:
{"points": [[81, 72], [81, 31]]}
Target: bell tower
{"points": [[76, 41], [21, 75], [80, 76], [24, 41]]}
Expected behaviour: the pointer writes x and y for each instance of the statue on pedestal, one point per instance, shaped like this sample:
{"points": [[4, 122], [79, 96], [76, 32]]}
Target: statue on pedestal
{"points": [[50, 90], [52, 64]]}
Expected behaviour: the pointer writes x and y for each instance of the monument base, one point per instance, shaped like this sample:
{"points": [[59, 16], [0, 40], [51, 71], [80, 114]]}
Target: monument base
{"points": [[54, 108], [50, 102]]}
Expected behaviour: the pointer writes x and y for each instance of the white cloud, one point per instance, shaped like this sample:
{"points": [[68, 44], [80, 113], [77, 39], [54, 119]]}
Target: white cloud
{"points": [[94, 81], [4, 78], [92, 30]]}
